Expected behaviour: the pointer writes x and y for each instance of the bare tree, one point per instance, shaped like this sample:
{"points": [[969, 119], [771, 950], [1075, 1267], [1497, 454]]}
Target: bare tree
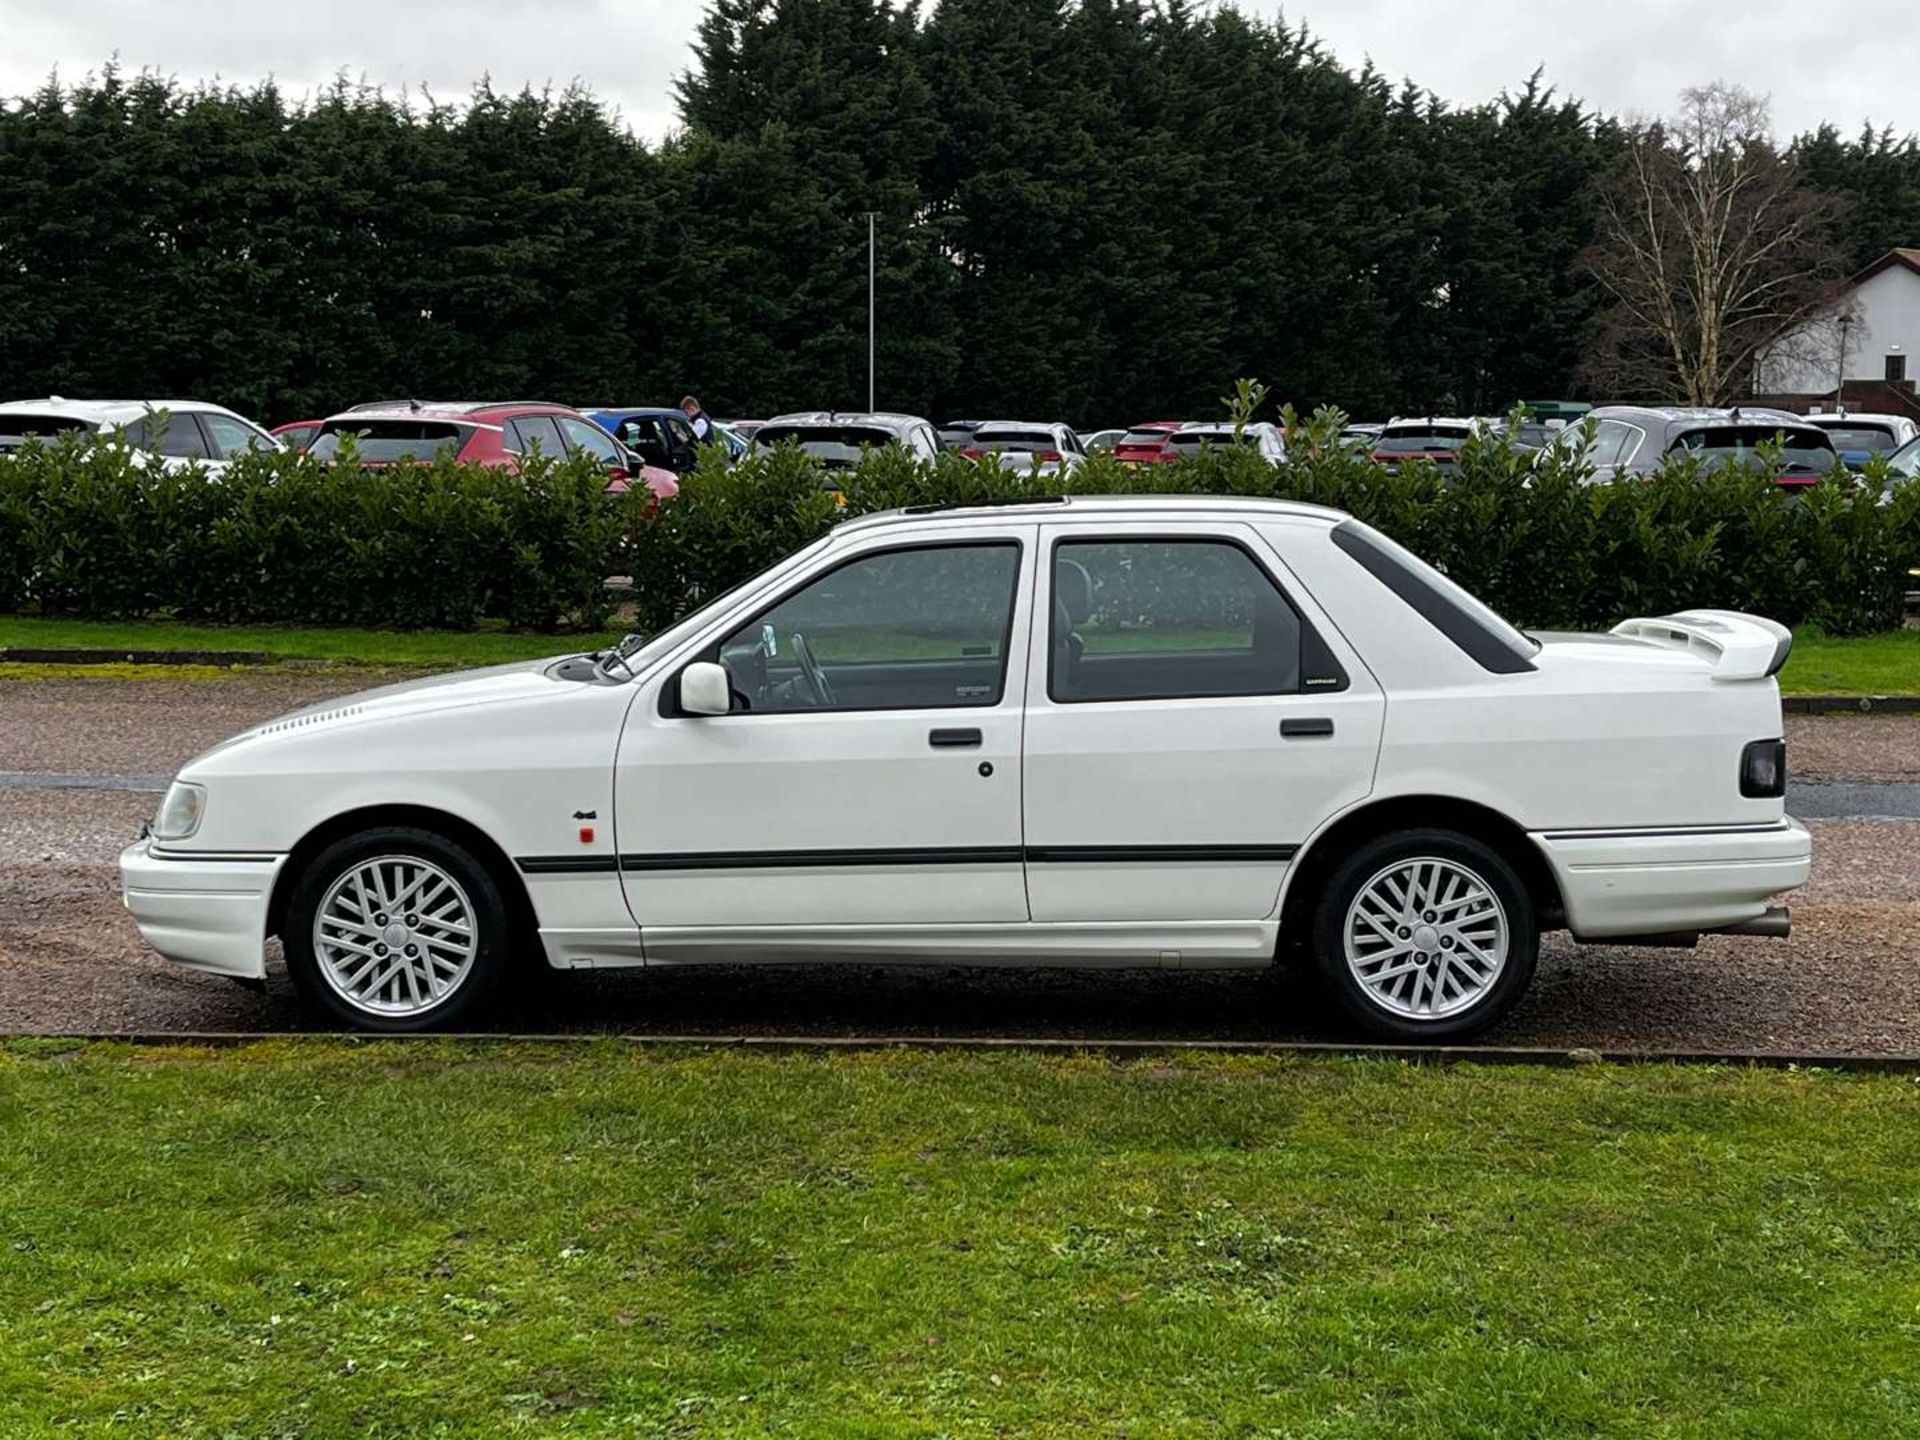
{"points": [[1711, 249]]}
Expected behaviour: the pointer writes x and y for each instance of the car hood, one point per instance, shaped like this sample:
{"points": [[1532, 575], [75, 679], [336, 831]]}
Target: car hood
{"points": [[462, 689]]}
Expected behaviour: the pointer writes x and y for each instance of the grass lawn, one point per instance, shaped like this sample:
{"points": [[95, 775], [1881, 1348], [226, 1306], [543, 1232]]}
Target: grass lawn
{"points": [[423, 648], [1886, 664], [333, 1239]]}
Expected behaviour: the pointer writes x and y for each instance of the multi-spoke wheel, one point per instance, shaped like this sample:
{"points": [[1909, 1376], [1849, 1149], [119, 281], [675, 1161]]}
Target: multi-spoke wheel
{"points": [[394, 929], [1426, 935]]}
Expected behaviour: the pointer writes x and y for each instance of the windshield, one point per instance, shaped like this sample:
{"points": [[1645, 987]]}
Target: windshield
{"points": [[15, 429], [1194, 439], [1462, 617], [638, 651], [1877, 439], [834, 446], [384, 441], [1808, 450], [1017, 442], [1421, 439]]}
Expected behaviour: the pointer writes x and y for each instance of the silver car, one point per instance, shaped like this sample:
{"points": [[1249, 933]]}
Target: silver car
{"points": [[838, 438], [1631, 440]]}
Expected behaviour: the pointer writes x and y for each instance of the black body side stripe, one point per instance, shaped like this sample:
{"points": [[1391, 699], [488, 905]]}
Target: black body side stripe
{"points": [[568, 864], [1155, 854], [944, 855]]}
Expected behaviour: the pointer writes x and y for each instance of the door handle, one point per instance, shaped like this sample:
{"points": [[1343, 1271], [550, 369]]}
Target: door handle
{"points": [[956, 739], [1319, 725]]}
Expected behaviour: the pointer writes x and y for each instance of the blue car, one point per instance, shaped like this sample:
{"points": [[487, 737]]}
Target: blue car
{"points": [[659, 434]]}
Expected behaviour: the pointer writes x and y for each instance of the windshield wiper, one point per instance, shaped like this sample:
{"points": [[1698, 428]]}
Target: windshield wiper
{"points": [[629, 644]]}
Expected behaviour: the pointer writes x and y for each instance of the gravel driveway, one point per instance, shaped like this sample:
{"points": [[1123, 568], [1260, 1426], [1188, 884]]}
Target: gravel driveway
{"points": [[70, 959]]}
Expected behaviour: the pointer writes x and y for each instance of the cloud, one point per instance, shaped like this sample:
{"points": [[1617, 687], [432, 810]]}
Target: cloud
{"points": [[1628, 56]]}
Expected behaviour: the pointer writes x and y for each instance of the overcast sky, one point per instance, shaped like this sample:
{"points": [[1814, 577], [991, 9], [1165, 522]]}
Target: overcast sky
{"points": [[1625, 56]]}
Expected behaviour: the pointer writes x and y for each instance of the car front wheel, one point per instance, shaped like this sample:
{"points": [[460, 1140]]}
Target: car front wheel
{"points": [[1425, 935], [395, 929]]}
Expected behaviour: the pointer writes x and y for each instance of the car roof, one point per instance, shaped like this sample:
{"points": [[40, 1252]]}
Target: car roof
{"points": [[454, 412], [879, 419], [105, 412], [996, 425], [1464, 422], [1855, 417], [1088, 507], [1168, 425], [1693, 415], [627, 412], [1220, 427]]}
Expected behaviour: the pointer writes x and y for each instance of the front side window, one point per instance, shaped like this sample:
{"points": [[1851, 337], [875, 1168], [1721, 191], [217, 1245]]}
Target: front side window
{"points": [[902, 629], [232, 437], [1168, 619], [581, 435]]}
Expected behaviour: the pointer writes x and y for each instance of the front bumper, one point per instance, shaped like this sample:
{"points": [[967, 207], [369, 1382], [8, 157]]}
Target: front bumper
{"points": [[205, 910], [1656, 882]]}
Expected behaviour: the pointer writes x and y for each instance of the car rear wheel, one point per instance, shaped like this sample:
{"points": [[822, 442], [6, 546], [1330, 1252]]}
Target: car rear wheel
{"points": [[1425, 935], [395, 930]]}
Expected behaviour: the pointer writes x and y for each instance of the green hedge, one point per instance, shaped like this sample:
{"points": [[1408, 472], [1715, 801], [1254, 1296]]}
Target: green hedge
{"points": [[97, 533]]}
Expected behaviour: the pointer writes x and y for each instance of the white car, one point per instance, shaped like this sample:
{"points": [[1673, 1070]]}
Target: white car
{"points": [[1261, 436], [1860, 436], [1035, 447], [178, 432], [1176, 731], [836, 439]]}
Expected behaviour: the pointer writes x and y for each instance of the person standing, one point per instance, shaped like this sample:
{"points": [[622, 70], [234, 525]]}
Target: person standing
{"points": [[696, 417]]}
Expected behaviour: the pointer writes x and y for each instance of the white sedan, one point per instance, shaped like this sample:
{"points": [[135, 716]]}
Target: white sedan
{"points": [[1147, 731]]}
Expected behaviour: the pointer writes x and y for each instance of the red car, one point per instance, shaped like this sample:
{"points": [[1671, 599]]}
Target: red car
{"points": [[500, 434], [298, 434], [1146, 444]]}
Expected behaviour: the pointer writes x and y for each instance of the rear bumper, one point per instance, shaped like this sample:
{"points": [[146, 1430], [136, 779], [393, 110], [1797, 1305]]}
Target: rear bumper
{"points": [[207, 911], [1645, 882]]}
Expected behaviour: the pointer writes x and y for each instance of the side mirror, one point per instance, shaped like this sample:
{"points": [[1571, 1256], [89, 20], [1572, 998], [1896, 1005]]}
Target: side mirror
{"points": [[705, 689]]}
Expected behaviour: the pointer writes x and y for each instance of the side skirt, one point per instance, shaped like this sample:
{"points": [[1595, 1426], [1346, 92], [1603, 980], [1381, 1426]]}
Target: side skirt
{"points": [[1198, 944]]}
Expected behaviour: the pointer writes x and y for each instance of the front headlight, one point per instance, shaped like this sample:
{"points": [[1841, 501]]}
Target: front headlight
{"points": [[180, 812]]}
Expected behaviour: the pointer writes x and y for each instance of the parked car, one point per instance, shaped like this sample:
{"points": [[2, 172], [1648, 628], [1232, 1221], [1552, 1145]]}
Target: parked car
{"points": [[1101, 441], [1436, 439], [484, 433], [1259, 435], [1858, 438], [1187, 731], [1632, 440], [836, 439], [1145, 443], [955, 433], [298, 435], [176, 432], [1903, 467], [1360, 437], [1037, 447], [660, 435]]}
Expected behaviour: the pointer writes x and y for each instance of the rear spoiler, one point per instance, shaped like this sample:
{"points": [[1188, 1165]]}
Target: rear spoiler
{"points": [[1740, 647]]}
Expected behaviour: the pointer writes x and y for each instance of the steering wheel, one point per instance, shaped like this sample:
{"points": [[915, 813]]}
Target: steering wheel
{"points": [[810, 670]]}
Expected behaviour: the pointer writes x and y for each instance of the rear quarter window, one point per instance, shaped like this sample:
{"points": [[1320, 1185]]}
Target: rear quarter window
{"points": [[1487, 639]]}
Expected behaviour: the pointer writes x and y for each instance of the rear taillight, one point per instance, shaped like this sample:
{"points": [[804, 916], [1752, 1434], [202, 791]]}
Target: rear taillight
{"points": [[971, 452], [1041, 457], [1763, 770], [1796, 482]]}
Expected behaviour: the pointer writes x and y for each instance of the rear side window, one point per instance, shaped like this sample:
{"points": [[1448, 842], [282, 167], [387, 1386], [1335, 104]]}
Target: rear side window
{"points": [[168, 434], [526, 433], [385, 441], [1487, 639], [232, 437], [15, 430], [1173, 619]]}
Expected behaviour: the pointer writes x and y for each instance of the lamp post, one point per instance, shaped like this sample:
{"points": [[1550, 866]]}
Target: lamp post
{"points": [[1840, 379], [870, 216]]}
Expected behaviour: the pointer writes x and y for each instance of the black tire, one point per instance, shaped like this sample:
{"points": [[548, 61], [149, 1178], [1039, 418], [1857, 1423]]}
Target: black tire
{"points": [[1359, 1002], [465, 996]]}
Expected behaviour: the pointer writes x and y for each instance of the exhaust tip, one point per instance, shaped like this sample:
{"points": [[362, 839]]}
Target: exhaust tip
{"points": [[1775, 924]]}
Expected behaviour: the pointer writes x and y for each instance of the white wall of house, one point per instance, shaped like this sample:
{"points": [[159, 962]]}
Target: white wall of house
{"points": [[1886, 320]]}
